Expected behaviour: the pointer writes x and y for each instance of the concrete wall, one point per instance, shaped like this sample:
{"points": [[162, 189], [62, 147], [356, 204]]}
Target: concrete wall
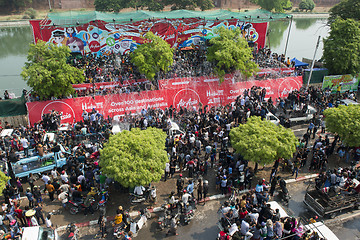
{"points": [[15, 121]]}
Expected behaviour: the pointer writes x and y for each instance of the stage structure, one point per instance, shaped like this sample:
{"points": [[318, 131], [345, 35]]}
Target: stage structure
{"points": [[105, 33]]}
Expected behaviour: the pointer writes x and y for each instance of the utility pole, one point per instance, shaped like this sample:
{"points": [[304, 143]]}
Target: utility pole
{"points": [[313, 61], [288, 36]]}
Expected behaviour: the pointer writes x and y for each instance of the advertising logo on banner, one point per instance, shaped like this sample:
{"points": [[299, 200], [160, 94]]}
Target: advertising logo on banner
{"points": [[188, 95], [105, 38], [341, 83]]}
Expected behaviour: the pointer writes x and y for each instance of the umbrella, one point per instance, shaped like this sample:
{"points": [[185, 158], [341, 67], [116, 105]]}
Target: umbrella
{"points": [[30, 213]]}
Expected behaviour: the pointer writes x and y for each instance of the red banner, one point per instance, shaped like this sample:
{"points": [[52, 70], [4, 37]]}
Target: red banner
{"points": [[101, 37], [181, 92]]}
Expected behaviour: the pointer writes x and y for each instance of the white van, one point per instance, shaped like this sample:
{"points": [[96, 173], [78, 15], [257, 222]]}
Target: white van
{"points": [[39, 233]]}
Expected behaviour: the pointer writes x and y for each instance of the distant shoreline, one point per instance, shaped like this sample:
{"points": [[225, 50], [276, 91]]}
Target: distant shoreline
{"points": [[16, 23]]}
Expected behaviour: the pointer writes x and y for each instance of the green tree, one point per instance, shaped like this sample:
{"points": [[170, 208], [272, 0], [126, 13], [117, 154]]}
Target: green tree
{"points": [[47, 71], [110, 5], [307, 5], [342, 48], [276, 5], [135, 157], [190, 4], [154, 56], [231, 52], [262, 141], [13, 5], [3, 180], [344, 121], [345, 9]]}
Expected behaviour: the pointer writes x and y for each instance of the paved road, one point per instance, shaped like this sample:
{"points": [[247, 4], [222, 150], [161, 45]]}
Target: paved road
{"points": [[203, 226]]}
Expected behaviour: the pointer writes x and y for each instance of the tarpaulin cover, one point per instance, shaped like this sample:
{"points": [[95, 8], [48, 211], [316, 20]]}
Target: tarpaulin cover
{"points": [[177, 92], [299, 63], [74, 18], [12, 107]]}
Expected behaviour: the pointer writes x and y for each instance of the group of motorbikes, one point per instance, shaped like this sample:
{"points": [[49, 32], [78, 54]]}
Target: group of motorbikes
{"points": [[98, 202], [183, 213]]}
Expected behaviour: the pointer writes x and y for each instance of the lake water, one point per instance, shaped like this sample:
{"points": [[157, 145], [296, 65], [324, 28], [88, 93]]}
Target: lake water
{"points": [[14, 44]]}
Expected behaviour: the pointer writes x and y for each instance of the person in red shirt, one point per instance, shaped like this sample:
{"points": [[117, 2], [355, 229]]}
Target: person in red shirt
{"points": [[20, 216]]}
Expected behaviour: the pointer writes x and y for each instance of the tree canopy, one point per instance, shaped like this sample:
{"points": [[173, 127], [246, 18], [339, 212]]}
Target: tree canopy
{"points": [[152, 5], [135, 157], [342, 48], [154, 56], [307, 5], [346, 9], [262, 141], [231, 52], [344, 121], [276, 5], [13, 4], [3, 180], [47, 71]]}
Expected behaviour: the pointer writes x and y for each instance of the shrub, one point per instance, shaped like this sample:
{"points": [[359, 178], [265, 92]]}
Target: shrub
{"points": [[30, 13]]}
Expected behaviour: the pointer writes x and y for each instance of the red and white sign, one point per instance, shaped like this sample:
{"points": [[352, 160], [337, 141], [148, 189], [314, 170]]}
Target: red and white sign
{"points": [[178, 92]]}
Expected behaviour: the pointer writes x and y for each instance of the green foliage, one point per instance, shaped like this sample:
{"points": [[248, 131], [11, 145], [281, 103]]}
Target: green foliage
{"points": [[345, 121], [3, 180], [110, 5], [135, 157], [230, 51], [154, 56], [190, 4], [307, 5], [13, 5], [345, 9], [276, 5], [30, 13], [48, 73], [342, 47], [262, 141]]}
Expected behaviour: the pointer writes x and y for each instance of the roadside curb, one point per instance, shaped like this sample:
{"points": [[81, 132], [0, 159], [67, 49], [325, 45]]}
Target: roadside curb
{"points": [[343, 219], [159, 209]]}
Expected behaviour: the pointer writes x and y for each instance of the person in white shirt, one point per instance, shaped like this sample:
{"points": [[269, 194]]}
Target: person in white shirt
{"points": [[25, 145], [185, 197], [55, 174], [48, 222], [64, 177], [139, 190], [46, 178]]}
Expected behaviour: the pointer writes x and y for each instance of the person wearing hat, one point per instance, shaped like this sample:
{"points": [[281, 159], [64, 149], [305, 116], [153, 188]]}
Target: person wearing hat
{"points": [[30, 218]]}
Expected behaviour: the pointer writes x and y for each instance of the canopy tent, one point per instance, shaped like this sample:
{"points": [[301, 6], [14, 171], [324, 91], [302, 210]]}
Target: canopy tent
{"points": [[299, 63], [74, 18]]}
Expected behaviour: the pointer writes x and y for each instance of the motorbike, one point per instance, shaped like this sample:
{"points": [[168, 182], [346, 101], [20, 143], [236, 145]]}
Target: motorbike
{"points": [[76, 207], [120, 230], [72, 232], [134, 198], [187, 215], [284, 195]]}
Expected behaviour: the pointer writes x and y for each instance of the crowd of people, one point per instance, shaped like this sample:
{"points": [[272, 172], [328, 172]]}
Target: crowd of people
{"points": [[204, 145], [186, 63]]}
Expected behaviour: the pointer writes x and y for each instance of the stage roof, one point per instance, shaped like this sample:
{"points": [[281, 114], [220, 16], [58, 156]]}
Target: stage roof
{"points": [[73, 18]]}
